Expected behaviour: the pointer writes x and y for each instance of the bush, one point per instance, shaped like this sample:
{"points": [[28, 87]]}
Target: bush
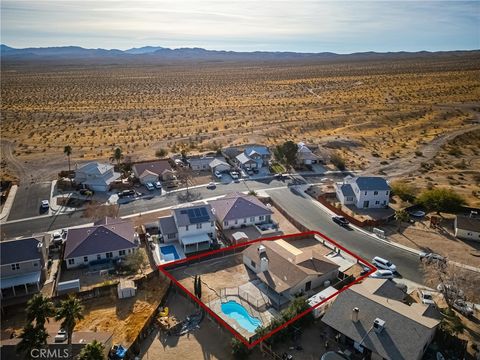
{"points": [[404, 191], [338, 161], [441, 200], [161, 153], [239, 350]]}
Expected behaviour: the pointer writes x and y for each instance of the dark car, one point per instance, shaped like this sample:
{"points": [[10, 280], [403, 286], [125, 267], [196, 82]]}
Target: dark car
{"points": [[124, 193], [340, 220]]}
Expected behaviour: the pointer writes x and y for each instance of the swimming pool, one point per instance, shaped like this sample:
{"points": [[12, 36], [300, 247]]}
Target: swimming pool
{"points": [[169, 253], [240, 314]]}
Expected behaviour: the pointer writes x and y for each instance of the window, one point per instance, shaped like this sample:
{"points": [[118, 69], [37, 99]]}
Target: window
{"points": [[99, 256], [170, 236], [261, 218], [253, 264], [386, 192], [186, 228], [252, 219], [236, 221], [225, 223], [365, 192], [85, 259], [71, 261], [375, 193], [129, 251], [121, 253], [35, 264], [108, 255], [15, 266], [245, 220], [377, 202], [199, 226]]}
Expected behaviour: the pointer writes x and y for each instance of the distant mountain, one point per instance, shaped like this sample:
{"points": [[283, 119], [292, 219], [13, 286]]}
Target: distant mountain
{"points": [[157, 54]]}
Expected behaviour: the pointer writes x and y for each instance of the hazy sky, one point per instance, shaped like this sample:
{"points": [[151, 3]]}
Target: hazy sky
{"points": [[247, 25]]}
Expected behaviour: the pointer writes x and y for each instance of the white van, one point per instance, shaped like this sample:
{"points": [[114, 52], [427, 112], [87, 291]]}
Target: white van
{"points": [[384, 264]]}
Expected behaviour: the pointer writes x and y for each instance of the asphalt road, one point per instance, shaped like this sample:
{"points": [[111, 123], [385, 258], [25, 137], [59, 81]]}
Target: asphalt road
{"points": [[28, 200], [305, 210]]}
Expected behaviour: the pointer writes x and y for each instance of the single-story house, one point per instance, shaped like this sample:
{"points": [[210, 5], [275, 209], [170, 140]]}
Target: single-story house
{"points": [[246, 162], [288, 270], [237, 210], [152, 171], [96, 176], [305, 156], [364, 192], [380, 325], [22, 265], [192, 225], [467, 227], [200, 163], [107, 239], [219, 165]]}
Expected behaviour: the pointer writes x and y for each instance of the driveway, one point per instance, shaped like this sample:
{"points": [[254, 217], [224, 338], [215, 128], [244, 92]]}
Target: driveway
{"points": [[308, 212], [28, 199]]}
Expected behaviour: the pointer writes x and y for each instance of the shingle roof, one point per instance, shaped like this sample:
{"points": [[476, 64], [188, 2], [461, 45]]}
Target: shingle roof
{"points": [[347, 190], [100, 238], [468, 223], [95, 167], [167, 225], [262, 150], [238, 206], [157, 167], [243, 159], [184, 215], [216, 162], [15, 251], [406, 330], [371, 183]]}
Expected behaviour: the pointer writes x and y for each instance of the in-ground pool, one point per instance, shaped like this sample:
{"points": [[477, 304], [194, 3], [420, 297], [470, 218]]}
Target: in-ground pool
{"points": [[240, 314], [169, 253]]}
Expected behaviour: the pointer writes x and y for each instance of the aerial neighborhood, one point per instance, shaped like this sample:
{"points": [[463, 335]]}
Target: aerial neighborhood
{"points": [[256, 236]]}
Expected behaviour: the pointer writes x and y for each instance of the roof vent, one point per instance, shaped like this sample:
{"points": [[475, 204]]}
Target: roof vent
{"points": [[355, 312], [378, 325]]}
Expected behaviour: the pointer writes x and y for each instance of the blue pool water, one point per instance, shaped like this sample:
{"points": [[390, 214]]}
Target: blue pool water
{"points": [[169, 251], [240, 314]]}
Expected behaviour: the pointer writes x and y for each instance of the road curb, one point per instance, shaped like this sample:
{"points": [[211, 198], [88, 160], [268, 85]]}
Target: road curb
{"points": [[9, 202]]}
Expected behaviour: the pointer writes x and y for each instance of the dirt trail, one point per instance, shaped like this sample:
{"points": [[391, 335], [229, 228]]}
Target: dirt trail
{"points": [[11, 161]]}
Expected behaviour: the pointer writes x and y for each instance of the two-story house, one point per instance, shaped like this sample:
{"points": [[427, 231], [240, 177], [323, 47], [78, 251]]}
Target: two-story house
{"points": [[108, 239], [192, 225], [96, 176], [253, 157], [22, 264], [364, 192]]}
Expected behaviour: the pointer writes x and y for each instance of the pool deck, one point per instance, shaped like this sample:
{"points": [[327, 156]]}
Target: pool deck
{"points": [[158, 256]]}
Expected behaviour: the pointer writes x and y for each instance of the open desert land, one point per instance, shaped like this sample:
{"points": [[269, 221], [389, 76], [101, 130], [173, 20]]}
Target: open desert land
{"points": [[377, 114]]}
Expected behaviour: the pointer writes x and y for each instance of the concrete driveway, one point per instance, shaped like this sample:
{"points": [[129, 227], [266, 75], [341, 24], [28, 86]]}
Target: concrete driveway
{"points": [[28, 200]]}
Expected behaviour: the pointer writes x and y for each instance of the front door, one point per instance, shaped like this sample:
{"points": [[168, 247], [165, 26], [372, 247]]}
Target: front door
{"points": [[308, 285], [366, 203]]}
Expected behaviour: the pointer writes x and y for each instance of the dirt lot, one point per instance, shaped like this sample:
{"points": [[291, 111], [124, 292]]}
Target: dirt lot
{"points": [[420, 236]]}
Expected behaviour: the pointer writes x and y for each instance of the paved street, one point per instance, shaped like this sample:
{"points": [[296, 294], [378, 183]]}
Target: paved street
{"points": [[306, 211], [28, 199]]}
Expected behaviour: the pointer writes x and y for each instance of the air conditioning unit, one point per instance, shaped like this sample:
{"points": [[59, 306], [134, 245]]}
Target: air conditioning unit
{"points": [[378, 325]]}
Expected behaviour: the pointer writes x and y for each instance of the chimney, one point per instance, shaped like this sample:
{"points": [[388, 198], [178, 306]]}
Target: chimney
{"points": [[355, 312], [378, 325], [263, 264]]}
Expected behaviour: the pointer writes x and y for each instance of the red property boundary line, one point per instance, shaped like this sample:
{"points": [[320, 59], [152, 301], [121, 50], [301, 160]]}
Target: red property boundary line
{"points": [[163, 269]]}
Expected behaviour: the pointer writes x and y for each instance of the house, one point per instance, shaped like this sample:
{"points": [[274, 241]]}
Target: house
{"points": [[22, 265], [246, 162], [288, 270], [259, 153], [219, 165], [107, 240], [57, 350], [240, 210], [153, 171], [200, 163], [467, 227], [364, 192], [192, 225], [96, 176], [379, 325], [305, 156]]}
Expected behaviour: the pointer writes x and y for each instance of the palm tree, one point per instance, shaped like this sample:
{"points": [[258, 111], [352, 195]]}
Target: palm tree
{"points": [[92, 351], [32, 338], [117, 156], [70, 311], [67, 150], [39, 308]]}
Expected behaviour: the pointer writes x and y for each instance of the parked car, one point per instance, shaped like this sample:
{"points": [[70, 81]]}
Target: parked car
{"points": [[433, 258], [340, 220], [249, 171], [61, 336], [463, 307], [129, 192], [382, 274], [57, 238], [158, 185], [255, 171], [45, 204], [384, 264], [211, 185], [426, 297], [234, 175], [149, 186], [218, 174]]}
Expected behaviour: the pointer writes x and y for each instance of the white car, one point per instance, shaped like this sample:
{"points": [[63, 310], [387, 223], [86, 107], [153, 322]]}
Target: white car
{"points": [[382, 274], [149, 186], [384, 264], [61, 336], [426, 297], [218, 174], [158, 185], [211, 185], [57, 237], [234, 175], [45, 204]]}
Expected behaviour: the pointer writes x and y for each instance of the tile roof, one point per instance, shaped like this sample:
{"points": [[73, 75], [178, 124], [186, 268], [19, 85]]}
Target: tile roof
{"points": [[193, 214], [406, 329], [167, 225], [371, 183], [15, 251], [468, 223], [157, 167], [238, 206], [100, 238]]}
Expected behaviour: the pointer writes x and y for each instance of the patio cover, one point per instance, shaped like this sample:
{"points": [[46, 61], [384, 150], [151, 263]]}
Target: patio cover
{"points": [[195, 239], [24, 279]]}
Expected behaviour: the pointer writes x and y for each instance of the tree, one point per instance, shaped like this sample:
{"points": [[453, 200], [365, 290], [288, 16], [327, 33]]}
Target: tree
{"points": [[401, 215], [290, 153], [39, 309], [32, 337], [199, 289], [441, 200], [161, 153], [92, 351], [185, 175], [338, 161], [69, 312], [239, 350], [67, 150], [134, 261], [117, 156], [404, 191], [195, 285]]}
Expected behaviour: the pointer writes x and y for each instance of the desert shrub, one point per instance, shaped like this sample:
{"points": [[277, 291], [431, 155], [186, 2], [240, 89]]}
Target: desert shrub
{"points": [[441, 199], [338, 162], [161, 153], [404, 191]]}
